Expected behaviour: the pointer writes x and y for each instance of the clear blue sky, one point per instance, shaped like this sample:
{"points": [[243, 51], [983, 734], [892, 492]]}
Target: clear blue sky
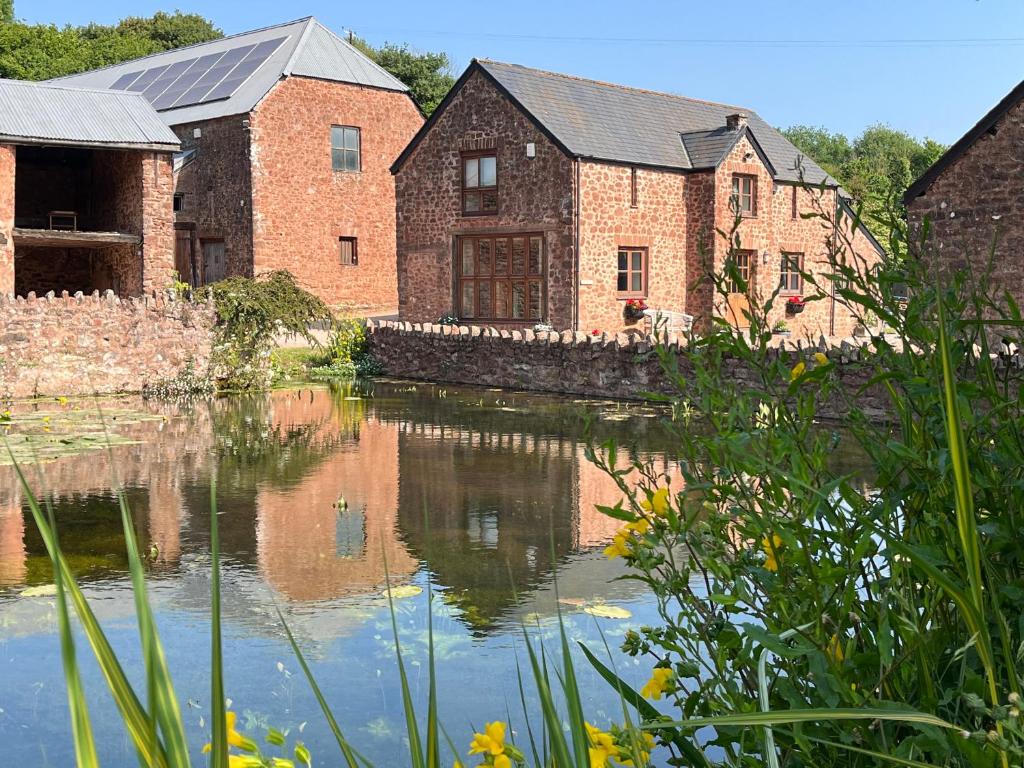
{"points": [[929, 67]]}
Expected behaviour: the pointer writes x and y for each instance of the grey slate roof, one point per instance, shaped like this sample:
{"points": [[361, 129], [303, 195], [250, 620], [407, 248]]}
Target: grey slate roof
{"points": [[309, 50], [629, 125], [56, 114]]}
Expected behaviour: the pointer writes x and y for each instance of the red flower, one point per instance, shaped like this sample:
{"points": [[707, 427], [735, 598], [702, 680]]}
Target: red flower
{"points": [[796, 300], [595, 332]]}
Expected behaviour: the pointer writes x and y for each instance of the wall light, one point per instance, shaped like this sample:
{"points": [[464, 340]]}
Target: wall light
{"points": [[765, 256]]}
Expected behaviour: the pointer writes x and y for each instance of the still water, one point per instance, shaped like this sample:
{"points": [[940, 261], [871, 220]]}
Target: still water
{"points": [[485, 495]]}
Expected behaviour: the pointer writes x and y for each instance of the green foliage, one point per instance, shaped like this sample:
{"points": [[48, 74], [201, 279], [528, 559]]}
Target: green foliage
{"points": [[43, 51], [428, 75], [876, 168], [346, 356], [188, 384], [251, 312], [788, 586], [6, 11]]}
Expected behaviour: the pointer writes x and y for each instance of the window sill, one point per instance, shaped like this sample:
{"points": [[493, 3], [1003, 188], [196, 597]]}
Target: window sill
{"points": [[477, 214], [630, 296]]}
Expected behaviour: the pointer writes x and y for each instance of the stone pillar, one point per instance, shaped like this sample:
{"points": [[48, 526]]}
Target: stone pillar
{"points": [[157, 221], [7, 163]]}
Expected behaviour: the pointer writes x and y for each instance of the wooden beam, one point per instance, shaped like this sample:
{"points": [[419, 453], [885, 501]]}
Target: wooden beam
{"points": [[55, 238]]}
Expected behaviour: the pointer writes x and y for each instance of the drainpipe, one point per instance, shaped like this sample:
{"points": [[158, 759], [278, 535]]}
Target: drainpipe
{"points": [[835, 247], [576, 252]]}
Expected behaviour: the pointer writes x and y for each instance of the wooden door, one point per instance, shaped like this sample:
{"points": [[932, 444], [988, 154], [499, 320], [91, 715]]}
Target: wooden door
{"points": [[214, 267], [738, 304], [184, 258]]}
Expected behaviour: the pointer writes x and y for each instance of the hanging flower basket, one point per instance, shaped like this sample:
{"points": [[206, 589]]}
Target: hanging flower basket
{"points": [[635, 308], [795, 305]]}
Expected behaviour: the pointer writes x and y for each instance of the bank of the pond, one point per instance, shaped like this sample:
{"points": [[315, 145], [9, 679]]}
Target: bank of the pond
{"points": [[593, 365], [80, 344]]}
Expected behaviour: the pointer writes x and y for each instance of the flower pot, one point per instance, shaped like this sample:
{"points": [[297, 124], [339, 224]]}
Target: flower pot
{"points": [[782, 333], [795, 308]]}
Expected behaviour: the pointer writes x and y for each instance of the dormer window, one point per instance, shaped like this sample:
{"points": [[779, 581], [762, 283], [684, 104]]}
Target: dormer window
{"points": [[744, 194], [480, 183]]}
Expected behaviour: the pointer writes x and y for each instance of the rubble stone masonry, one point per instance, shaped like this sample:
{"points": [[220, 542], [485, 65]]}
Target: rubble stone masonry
{"points": [[301, 206], [79, 345], [535, 195], [618, 365]]}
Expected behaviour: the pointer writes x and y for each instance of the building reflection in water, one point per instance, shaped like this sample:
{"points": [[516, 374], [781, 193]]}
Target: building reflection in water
{"points": [[319, 488]]}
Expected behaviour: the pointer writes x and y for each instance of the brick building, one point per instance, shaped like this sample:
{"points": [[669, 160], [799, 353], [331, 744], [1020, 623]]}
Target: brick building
{"points": [[973, 199], [287, 135], [531, 196], [85, 191]]}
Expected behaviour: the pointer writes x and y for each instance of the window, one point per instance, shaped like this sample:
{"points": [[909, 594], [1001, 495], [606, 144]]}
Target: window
{"points": [[345, 142], [742, 260], [501, 278], [480, 184], [632, 279], [744, 193], [633, 197], [348, 251], [790, 280], [179, 203]]}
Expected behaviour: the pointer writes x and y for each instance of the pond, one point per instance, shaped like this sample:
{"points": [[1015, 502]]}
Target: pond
{"points": [[485, 495]]}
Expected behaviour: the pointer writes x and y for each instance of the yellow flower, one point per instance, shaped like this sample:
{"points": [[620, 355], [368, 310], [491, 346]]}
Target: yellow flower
{"points": [[640, 526], [645, 747], [771, 547], [492, 740], [245, 761], [602, 747], [235, 739], [502, 761], [820, 358], [658, 503], [835, 650], [656, 686], [618, 547], [798, 371]]}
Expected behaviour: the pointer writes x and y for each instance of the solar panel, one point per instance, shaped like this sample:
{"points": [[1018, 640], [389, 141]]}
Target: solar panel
{"points": [[244, 70], [195, 81], [166, 79], [175, 91], [146, 78], [124, 81]]}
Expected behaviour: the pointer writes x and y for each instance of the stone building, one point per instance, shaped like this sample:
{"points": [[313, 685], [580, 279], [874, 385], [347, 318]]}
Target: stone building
{"points": [[973, 200], [85, 191], [531, 197], [287, 135]]}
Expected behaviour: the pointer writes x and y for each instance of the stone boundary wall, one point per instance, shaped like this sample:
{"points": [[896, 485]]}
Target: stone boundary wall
{"points": [[576, 363], [85, 344]]}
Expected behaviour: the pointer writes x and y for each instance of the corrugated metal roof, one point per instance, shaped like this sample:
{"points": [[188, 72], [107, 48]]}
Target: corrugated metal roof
{"points": [[309, 50], [63, 115], [630, 125]]}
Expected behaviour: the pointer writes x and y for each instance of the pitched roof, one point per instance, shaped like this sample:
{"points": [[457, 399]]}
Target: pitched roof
{"points": [[603, 121], [305, 47], [951, 155], [39, 113]]}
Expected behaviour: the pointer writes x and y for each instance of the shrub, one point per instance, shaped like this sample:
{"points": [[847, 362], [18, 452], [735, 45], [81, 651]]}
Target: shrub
{"points": [[347, 355]]}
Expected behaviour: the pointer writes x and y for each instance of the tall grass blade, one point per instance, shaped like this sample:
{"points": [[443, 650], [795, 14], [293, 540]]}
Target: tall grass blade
{"points": [[782, 716], [560, 752], [433, 747], [412, 728], [346, 750], [219, 742], [132, 712], [81, 726], [163, 704]]}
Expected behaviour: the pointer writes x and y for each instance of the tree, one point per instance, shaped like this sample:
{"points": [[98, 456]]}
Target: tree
{"points": [[6, 11], [44, 51], [428, 75], [876, 168]]}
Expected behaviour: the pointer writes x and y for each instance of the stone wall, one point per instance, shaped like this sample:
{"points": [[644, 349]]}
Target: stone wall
{"points": [[577, 363], [975, 210], [216, 188], [609, 220], [303, 206], [78, 345], [535, 195]]}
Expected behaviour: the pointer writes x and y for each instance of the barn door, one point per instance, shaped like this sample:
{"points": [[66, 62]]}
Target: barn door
{"points": [[184, 257], [214, 268]]}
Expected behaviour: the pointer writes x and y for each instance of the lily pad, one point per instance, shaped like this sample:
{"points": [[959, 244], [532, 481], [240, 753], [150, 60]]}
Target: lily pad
{"points": [[603, 611], [405, 590], [43, 590]]}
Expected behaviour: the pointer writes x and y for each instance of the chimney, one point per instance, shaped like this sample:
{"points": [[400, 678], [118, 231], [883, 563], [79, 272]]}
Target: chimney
{"points": [[736, 121]]}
